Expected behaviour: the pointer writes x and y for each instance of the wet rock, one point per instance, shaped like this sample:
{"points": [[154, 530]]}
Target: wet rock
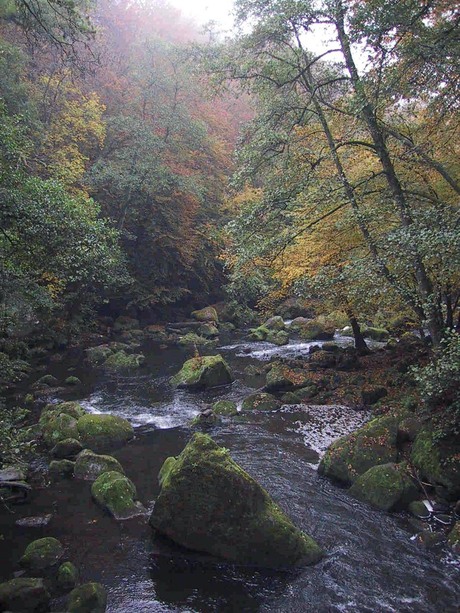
{"points": [[51, 411], [281, 377], [430, 539], [371, 394], [387, 487], [96, 356], [24, 595], [90, 465], [206, 418], [294, 308], [101, 432], [278, 337], [225, 407], [438, 462], [67, 576], [258, 334], [307, 393], [298, 323], [203, 372], [290, 398], [317, 330], [419, 510], [42, 554], [352, 455], [58, 428], [275, 323], [208, 331], [116, 494], [208, 503], [34, 522], [68, 448], [88, 598], [120, 360], [376, 334], [12, 473], [209, 313], [454, 538], [261, 402], [61, 469]]}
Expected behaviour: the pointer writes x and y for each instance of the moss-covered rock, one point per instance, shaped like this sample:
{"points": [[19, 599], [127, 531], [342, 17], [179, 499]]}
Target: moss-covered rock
{"points": [[73, 409], [225, 407], [290, 398], [278, 337], [98, 355], [191, 338], [275, 323], [376, 334], [408, 429], [124, 322], [72, 380], [203, 372], [209, 313], [41, 554], [90, 465], [209, 503], [298, 323], [323, 359], [419, 510], [67, 448], [387, 487], [352, 455], [88, 598], [438, 462], [281, 377], [101, 432], [58, 428], [67, 576], [61, 469], [259, 334], [24, 595], [206, 419], [371, 394], [261, 402], [116, 494], [208, 330], [120, 360], [316, 330], [454, 537], [45, 381], [307, 393]]}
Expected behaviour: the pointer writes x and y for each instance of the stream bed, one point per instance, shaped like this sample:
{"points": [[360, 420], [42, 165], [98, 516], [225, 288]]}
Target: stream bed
{"points": [[372, 563]]}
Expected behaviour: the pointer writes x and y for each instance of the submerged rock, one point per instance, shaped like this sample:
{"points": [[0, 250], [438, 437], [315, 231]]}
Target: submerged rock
{"points": [[101, 432], [203, 372], [24, 595], [88, 598], [261, 402], [90, 465], [208, 503], [388, 487], [41, 554], [352, 455], [116, 494]]}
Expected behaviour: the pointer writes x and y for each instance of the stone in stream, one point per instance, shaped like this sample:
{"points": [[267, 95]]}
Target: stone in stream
{"points": [[59, 428], [203, 372], [208, 503], [258, 334], [281, 377], [23, 595], [208, 330], [275, 323], [67, 576], [120, 361], [90, 465], [454, 537], [225, 407], [61, 469], [352, 455], [116, 494], [42, 554], [261, 402], [68, 448], [277, 337], [102, 431], [387, 487], [34, 522], [87, 598]]}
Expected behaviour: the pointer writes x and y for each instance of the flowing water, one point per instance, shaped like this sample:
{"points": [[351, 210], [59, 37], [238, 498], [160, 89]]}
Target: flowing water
{"points": [[372, 562]]}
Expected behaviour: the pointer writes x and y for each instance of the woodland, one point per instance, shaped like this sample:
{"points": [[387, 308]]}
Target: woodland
{"points": [[150, 167]]}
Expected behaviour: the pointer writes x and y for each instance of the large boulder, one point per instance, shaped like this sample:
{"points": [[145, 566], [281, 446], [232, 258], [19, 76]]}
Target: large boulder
{"points": [[278, 337], [260, 401], [120, 361], [258, 334], [59, 428], [116, 494], [352, 455], [101, 432], [90, 465], [88, 598], [208, 503], [438, 462], [376, 334], [281, 377], [207, 314], [317, 330], [203, 372], [225, 407], [24, 595], [67, 448], [388, 487], [41, 554], [275, 323]]}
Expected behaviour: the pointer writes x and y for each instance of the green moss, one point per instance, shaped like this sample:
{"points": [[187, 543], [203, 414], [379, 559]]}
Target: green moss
{"points": [[87, 598], [67, 577], [59, 427], [42, 553], [24, 594], [208, 331], [376, 334], [259, 334], [225, 407], [116, 494], [90, 465], [261, 402], [278, 337], [209, 503], [281, 377], [72, 381], [61, 469], [275, 323], [316, 330], [98, 355], [73, 409], [209, 313], [203, 372], [387, 487], [101, 432], [124, 361], [68, 448], [454, 537], [46, 380], [194, 339]]}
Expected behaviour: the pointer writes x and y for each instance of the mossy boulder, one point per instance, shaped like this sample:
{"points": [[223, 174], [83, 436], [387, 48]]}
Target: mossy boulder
{"points": [[98, 355], [72, 380], [259, 334], [120, 360], [116, 494], [203, 372], [61, 469], [298, 323], [208, 503], [278, 337], [316, 330], [281, 377], [42, 554], [73, 409], [67, 576], [191, 338], [419, 510], [323, 359], [207, 314], [101, 432], [225, 407], [387, 487], [58, 428], [352, 455], [408, 429], [205, 419], [208, 330], [90, 465], [24, 595], [438, 462], [46, 381], [275, 323], [67, 448], [88, 598], [371, 394], [261, 402], [376, 334], [454, 537], [124, 322]]}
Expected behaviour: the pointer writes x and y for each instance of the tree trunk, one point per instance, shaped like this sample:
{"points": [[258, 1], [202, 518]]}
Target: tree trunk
{"points": [[360, 343]]}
